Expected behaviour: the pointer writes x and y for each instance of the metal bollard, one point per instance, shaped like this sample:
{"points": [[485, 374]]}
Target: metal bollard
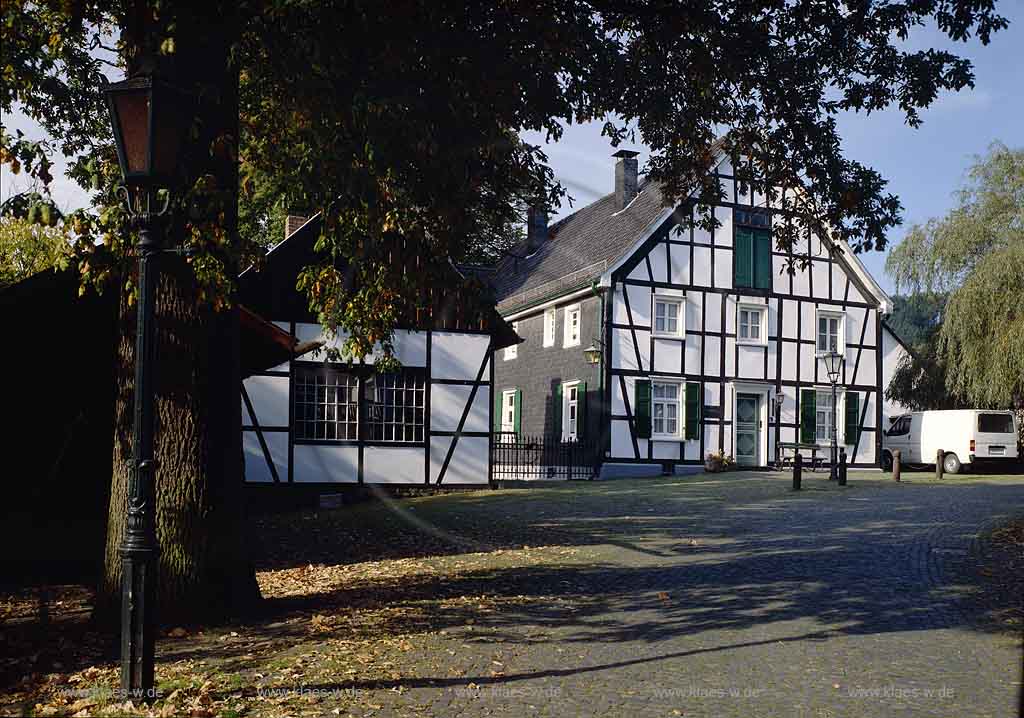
{"points": [[896, 464], [798, 467], [842, 467], [939, 456]]}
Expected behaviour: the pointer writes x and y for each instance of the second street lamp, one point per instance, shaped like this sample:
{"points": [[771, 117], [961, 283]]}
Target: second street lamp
{"points": [[833, 367], [148, 121]]}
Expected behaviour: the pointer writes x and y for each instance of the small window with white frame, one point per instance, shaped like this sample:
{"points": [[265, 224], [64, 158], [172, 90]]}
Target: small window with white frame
{"points": [[570, 410], [752, 324], [831, 329], [668, 314], [571, 335], [512, 351], [666, 410], [508, 411], [550, 320]]}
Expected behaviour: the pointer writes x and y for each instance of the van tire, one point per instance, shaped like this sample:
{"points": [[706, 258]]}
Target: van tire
{"points": [[951, 464], [886, 461]]}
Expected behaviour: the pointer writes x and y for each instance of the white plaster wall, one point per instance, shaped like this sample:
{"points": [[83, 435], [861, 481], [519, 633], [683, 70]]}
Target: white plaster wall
{"points": [[723, 233], [455, 355], [269, 397], [702, 266], [820, 271], [665, 450], [865, 369], [448, 401], [326, 463], [640, 305], [892, 353], [469, 462], [751, 362], [623, 352], [256, 469], [393, 465], [668, 355], [680, 268], [713, 312], [622, 445], [659, 262], [723, 268]]}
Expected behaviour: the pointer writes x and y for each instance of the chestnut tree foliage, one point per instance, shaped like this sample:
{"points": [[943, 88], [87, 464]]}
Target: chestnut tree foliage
{"points": [[975, 356], [401, 120]]}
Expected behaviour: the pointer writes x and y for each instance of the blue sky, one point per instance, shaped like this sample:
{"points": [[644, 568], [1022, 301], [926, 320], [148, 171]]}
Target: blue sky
{"points": [[924, 166]]}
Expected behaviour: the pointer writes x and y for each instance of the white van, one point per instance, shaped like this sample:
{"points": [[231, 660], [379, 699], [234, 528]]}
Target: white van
{"points": [[967, 436]]}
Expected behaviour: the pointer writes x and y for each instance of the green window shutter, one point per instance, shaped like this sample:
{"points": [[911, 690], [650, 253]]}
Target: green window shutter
{"points": [[581, 410], [744, 258], [693, 410], [517, 422], [642, 408], [556, 412], [851, 431], [497, 409], [762, 259], [808, 417]]}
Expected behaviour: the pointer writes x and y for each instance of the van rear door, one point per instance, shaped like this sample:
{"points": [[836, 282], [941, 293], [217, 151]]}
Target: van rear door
{"points": [[996, 437]]}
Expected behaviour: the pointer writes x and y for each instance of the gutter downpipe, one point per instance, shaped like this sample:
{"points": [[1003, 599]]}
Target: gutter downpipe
{"points": [[594, 288]]}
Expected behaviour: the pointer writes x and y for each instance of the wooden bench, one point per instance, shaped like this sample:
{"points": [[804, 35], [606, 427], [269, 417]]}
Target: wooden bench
{"points": [[786, 459]]}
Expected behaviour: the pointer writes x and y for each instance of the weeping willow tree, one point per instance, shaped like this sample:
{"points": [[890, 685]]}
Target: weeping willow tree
{"points": [[976, 255]]}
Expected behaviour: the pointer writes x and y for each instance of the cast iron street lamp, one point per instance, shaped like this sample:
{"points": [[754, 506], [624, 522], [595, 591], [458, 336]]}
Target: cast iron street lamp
{"points": [[834, 367], [148, 120]]}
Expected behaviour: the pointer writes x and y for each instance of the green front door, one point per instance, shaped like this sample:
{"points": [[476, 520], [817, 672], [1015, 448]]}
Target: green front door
{"points": [[748, 438]]}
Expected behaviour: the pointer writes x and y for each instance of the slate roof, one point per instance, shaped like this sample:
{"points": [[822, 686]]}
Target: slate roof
{"points": [[579, 248]]}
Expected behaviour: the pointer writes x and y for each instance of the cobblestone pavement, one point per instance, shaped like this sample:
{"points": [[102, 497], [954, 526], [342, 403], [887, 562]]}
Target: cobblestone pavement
{"points": [[732, 596]]}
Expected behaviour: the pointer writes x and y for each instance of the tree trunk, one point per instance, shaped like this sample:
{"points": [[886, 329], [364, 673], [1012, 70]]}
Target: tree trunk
{"points": [[204, 572]]}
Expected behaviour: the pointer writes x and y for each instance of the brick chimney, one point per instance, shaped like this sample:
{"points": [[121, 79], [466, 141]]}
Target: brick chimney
{"points": [[292, 222], [625, 178], [536, 228]]}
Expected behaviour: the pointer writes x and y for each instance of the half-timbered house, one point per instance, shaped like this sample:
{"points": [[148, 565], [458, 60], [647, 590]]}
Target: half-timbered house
{"points": [[314, 420], [697, 334]]}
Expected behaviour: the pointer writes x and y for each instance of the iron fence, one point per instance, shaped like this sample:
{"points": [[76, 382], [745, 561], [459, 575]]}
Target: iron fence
{"points": [[542, 457]]}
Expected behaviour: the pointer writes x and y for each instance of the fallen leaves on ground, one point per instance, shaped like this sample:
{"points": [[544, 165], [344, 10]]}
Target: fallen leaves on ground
{"points": [[353, 624]]}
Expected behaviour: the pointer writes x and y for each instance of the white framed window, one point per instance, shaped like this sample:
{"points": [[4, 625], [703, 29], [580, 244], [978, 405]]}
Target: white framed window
{"points": [[512, 351], [570, 410], [550, 320], [822, 420], [668, 316], [666, 410], [571, 335], [752, 324], [830, 332], [508, 411]]}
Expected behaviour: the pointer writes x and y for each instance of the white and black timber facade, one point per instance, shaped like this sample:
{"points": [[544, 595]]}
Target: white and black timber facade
{"points": [[315, 421], [698, 332]]}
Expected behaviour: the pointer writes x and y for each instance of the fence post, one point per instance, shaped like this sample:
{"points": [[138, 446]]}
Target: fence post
{"points": [[798, 465], [896, 464], [939, 456], [842, 466]]}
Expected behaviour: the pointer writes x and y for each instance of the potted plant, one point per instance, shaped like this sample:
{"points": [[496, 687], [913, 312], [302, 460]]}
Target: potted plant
{"points": [[718, 461]]}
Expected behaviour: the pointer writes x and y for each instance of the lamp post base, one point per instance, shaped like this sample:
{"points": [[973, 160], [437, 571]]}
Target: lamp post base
{"points": [[138, 627]]}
